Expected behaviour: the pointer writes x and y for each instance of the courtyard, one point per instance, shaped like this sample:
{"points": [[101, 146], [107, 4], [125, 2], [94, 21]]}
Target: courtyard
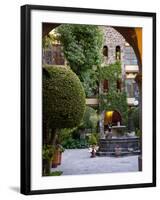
{"points": [[91, 99], [78, 161]]}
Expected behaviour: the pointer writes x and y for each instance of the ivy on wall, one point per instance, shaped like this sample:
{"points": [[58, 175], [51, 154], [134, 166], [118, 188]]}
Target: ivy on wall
{"points": [[113, 99], [82, 47], [111, 72]]}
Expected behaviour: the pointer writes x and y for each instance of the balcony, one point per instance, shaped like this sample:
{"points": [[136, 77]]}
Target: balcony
{"points": [[131, 68], [92, 101], [132, 101]]}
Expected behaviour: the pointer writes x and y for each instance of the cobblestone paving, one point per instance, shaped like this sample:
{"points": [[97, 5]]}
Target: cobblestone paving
{"points": [[78, 161]]}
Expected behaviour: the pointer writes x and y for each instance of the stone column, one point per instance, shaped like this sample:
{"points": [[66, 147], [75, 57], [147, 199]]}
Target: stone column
{"points": [[139, 82], [101, 125]]}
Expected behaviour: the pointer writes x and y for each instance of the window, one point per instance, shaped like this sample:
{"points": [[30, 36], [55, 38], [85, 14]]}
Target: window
{"points": [[58, 56], [118, 53], [105, 51], [119, 85], [130, 57], [105, 86], [132, 89]]}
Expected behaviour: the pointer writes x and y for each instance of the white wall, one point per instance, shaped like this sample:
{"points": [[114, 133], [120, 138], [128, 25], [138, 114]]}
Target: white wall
{"points": [[10, 99]]}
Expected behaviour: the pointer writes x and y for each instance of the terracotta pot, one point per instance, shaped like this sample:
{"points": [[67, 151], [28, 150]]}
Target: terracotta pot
{"points": [[56, 159]]}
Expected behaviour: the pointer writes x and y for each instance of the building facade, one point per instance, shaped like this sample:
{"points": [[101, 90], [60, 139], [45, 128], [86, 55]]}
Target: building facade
{"points": [[116, 48]]}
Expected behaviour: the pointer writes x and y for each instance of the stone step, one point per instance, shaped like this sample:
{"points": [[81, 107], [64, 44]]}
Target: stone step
{"points": [[120, 141], [113, 149], [112, 153], [107, 146]]}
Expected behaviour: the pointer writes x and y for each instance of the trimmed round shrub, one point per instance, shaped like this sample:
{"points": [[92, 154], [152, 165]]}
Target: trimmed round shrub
{"points": [[63, 98]]}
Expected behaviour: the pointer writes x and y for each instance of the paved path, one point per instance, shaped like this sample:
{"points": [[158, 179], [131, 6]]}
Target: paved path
{"points": [[78, 161]]}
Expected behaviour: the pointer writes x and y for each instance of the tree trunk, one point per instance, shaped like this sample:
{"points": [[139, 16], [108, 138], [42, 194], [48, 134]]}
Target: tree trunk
{"points": [[51, 141], [46, 167]]}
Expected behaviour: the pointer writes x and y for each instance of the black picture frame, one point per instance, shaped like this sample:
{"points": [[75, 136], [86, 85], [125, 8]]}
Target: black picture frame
{"points": [[26, 98]]}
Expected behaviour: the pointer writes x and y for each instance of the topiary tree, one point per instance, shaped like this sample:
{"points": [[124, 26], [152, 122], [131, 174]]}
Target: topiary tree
{"points": [[63, 103]]}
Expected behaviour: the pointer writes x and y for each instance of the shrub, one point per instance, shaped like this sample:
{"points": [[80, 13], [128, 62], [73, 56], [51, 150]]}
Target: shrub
{"points": [[63, 98], [63, 105], [47, 152], [90, 118], [92, 140], [75, 144], [66, 134], [136, 118], [56, 173]]}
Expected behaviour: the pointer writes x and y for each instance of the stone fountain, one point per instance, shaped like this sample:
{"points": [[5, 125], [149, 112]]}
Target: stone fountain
{"points": [[116, 142]]}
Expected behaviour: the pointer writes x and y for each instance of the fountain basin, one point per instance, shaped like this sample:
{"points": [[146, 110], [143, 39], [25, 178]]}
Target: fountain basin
{"points": [[126, 145]]}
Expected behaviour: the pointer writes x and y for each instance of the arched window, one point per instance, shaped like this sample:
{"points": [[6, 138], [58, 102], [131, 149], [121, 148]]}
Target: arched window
{"points": [[119, 85], [105, 51], [118, 53], [105, 85]]}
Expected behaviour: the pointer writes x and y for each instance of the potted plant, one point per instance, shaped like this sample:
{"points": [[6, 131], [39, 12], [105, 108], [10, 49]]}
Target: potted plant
{"points": [[57, 155], [93, 145]]}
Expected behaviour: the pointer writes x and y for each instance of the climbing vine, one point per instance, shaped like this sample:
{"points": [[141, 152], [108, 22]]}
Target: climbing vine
{"points": [[82, 47], [114, 99]]}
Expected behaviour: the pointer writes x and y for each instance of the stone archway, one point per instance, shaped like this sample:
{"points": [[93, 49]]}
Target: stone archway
{"points": [[134, 37]]}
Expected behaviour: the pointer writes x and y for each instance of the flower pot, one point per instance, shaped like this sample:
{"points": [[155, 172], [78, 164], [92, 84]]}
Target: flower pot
{"points": [[56, 158]]}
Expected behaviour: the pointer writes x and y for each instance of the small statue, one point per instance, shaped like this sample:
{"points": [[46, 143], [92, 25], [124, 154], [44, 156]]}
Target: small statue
{"points": [[93, 149]]}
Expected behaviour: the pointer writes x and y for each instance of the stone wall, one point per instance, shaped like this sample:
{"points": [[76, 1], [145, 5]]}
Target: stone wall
{"points": [[112, 38]]}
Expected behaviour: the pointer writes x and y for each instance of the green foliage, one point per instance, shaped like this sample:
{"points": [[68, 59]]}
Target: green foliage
{"points": [[48, 40], [63, 98], [59, 148], [66, 133], [90, 118], [47, 152], [92, 140], [113, 99], [71, 143], [90, 82], [68, 141], [138, 132], [111, 72], [97, 135], [135, 117], [82, 46], [55, 173]]}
